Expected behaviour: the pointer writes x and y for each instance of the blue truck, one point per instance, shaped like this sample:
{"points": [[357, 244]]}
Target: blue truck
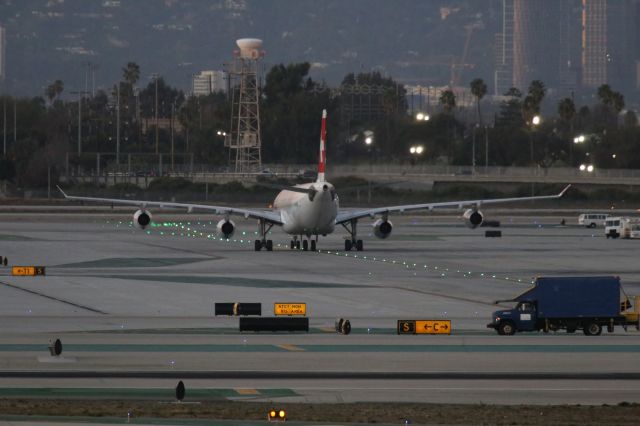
{"points": [[569, 303]]}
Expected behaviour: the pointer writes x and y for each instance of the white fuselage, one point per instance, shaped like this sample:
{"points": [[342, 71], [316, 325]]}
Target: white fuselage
{"points": [[302, 215]]}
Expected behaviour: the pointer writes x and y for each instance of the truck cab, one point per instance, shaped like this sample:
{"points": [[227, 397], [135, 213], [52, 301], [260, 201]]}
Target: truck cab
{"points": [[521, 318]]}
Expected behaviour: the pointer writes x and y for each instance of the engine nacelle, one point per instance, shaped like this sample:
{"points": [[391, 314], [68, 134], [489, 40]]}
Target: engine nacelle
{"points": [[142, 219], [473, 218], [226, 228], [382, 228]]}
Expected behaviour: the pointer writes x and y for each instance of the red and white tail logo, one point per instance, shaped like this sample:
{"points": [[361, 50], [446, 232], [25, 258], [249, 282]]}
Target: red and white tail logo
{"points": [[323, 153]]}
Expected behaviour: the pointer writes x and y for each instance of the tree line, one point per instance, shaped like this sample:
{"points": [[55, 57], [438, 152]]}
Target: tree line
{"points": [[519, 131]]}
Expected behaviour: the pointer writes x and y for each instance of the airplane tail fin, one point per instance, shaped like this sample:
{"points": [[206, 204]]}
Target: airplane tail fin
{"points": [[323, 142]]}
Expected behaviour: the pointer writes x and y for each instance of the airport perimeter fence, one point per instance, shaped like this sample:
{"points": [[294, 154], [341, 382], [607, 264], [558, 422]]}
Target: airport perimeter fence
{"points": [[378, 172]]}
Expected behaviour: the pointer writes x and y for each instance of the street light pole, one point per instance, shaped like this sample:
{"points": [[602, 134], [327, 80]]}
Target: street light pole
{"points": [[535, 120], [173, 109], [79, 123], [486, 150], [156, 112], [79, 93], [4, 121], [15, 121], [473, 150], [118, 124]]}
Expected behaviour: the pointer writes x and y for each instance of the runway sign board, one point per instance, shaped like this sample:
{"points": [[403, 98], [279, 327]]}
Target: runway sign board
{"points": [[424, 326], [290, 309], [27, 271]]}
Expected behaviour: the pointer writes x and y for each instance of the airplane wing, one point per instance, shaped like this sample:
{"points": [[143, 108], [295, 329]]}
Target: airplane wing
{"points": [[346, 216], [267, 215]]}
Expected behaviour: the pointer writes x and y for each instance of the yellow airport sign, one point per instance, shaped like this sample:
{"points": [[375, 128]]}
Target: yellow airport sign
{"points": [[290, 309], [27, 271], [433, 327], [424, 326]]}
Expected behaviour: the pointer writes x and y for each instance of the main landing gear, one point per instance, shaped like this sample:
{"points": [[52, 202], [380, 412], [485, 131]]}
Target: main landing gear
{"points": [[354, 242], [264, 229], [309, 244]]}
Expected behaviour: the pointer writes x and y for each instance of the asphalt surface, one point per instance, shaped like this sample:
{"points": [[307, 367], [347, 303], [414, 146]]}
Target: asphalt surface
{"points": [[135, 312]]}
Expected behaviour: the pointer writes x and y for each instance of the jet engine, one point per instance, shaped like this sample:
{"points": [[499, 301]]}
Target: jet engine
{"points": [[226, 228], [473, 218], [382, 228], [142, 218]]}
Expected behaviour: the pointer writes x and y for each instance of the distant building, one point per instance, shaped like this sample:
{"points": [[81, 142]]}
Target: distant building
{"points": [[207, 82], [608, 37], [569, 45], [524, 52], [3, 42]]}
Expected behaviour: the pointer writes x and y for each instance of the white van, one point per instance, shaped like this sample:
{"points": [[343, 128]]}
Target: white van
{"points": [[615, 227], [635, 231], [591, 220]]}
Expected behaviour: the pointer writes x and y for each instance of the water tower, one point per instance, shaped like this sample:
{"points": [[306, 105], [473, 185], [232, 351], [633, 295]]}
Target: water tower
{"points": [[243, 139]]}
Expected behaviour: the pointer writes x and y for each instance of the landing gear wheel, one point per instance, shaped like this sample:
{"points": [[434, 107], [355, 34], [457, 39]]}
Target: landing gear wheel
{"points": [[359, 245], [269, 245], [313, 245], [592, 329], [347, 245], [506, 329], [298, 245], [257, 245], [305, 245], [292, 245]]}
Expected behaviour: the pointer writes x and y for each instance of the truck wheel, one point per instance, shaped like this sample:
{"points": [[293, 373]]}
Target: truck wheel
{"points": [[507, 328], [592, 225], [592, 329]]}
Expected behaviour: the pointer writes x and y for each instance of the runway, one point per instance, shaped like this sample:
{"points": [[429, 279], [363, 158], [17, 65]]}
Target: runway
{"points": [[134, 310]]}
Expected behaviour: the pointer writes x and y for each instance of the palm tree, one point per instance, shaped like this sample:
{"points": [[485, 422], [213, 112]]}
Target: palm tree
{"points": [[131, 73], [58, 87], [478, 89], [567, 111], [617, 102], [605, 94], [448, 101], [50, 93], [537, 92], [54, 90], [611, 101]]}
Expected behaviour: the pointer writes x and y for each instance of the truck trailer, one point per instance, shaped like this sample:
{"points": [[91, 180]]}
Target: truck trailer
{"points": [[569, 303]]}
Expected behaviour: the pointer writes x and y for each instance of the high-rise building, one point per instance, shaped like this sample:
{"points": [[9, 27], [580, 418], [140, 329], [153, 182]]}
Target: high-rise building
{"points": [[568, 44], [538, 40], [503, 74], [3, 42], [608, 38], [207, 82]]}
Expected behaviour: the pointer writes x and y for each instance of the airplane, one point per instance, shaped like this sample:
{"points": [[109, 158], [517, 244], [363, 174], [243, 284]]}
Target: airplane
{"points": [[310, 210]]}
